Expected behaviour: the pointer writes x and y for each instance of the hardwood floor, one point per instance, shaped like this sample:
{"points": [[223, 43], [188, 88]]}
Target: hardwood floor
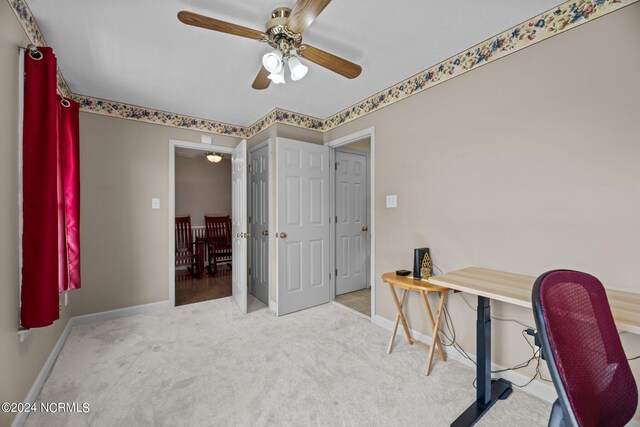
{"points": [[359, 301], [190, 289]]}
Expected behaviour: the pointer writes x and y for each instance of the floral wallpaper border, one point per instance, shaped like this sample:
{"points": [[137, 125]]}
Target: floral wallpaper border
{"points": [[566, 16], [133, 112], [30, 26]]}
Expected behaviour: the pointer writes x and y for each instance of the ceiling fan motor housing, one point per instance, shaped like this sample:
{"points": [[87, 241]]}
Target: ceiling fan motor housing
{"points": [[279, 34]]}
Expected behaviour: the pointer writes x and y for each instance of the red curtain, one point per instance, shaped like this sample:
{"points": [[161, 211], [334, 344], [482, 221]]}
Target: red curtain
{"points": [[50, 193], [69, 192]]}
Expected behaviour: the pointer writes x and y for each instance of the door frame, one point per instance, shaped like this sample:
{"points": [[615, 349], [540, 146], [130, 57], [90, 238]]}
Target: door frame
{"points": [[369, 132], [271, 241], [171, 203]]}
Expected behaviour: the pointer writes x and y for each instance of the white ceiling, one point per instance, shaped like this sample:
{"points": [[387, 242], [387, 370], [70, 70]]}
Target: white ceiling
{"points": [[139, 53]]}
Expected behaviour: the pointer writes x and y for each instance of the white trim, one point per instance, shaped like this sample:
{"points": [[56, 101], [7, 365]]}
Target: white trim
{"points": [[120, 312], [536, 388], [23, 334], [171, 203], [259, 146], [356, 136], [35, 389]]}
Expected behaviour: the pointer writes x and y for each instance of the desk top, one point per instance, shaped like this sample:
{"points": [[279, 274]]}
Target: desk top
{"points": [[516, 289], [408, 282]]}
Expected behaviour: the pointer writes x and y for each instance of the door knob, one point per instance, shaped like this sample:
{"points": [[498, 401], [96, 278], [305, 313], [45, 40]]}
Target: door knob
{"points": [[283, 235], [365, 228], [265, 232], [247, 235]]}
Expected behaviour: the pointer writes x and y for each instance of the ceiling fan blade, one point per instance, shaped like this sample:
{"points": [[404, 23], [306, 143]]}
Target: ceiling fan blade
{"points": [[202, 21], [262, 80], [304, 13], [331, 62]]}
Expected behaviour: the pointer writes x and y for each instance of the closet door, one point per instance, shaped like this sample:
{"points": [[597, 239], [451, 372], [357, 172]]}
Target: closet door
{"points": [[259, 223], [302, 186], [239, 224]]}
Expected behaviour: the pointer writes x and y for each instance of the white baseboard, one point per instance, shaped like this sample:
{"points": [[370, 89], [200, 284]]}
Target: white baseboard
{"points": [[31, 397], [536, 388], [34, 391], [121, 312]]}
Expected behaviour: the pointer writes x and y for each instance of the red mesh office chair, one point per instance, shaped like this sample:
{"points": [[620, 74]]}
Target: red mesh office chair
{"points": [[582, 348]]}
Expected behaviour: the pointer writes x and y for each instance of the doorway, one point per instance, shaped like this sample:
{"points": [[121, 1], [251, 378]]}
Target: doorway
{"points": [[203, 214], [352, 232], [199, 263]]}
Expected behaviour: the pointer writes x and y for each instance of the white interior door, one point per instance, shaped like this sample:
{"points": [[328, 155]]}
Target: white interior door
{"points": [[302, 171], [259, 223], [239, 224], [352, 231]]}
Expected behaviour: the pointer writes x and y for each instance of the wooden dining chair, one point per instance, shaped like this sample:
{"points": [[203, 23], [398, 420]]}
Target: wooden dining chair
{"points": [[186, 250], [218, 236]]}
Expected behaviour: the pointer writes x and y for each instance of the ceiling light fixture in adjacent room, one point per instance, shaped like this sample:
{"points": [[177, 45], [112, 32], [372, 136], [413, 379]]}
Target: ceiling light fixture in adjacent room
{"points": [[214, 157]]}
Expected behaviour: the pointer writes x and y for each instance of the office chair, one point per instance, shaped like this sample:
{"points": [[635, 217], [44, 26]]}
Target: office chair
{"points": [[580, 343]]}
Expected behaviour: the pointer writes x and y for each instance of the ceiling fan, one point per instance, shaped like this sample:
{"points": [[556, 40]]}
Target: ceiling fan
{"points": [[283, 32]]}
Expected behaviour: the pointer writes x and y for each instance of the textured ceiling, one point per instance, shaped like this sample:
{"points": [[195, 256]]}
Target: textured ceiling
{"points": [[137, 52]]}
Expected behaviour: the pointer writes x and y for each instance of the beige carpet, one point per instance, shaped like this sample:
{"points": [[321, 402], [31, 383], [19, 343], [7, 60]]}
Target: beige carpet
{"points": [[207, 364]]}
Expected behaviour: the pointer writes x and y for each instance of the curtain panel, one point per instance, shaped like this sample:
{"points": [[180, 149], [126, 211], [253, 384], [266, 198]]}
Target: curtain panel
{"points": [[50, 192]]}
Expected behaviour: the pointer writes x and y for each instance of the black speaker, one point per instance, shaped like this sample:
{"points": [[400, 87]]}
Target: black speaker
{"points": [[422, 266]]}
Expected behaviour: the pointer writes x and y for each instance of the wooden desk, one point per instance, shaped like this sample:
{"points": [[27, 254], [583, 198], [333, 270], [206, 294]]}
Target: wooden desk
{"points": [[515, 289], [423, 287]]}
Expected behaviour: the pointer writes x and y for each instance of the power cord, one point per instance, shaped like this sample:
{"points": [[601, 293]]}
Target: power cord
{"points": [[451, 338]]}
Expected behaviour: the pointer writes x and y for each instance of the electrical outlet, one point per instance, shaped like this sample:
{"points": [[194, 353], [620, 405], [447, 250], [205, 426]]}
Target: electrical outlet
{"points": [[155, 203], [392, 201]]}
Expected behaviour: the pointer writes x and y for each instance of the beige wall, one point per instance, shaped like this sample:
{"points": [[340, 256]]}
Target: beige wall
{"points": [[202, 188], [124, 242], [526, 164], [20, 362]]}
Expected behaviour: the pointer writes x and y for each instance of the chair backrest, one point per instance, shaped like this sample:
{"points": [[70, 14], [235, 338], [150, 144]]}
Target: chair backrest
{"points": [[184, 238], [218, 229], [580, 342]]}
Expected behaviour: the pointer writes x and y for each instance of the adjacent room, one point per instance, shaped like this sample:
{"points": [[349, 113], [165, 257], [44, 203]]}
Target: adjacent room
{"points": [[320, 212], [203, 226]]}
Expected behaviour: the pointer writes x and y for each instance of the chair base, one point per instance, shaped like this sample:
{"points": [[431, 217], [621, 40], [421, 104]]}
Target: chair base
{"points": [[500, 390]]}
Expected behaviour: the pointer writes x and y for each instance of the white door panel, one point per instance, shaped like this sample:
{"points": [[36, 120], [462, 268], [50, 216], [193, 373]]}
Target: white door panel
{"points": [[259, 224], [352, 235], [239, 224], [303, 217]]}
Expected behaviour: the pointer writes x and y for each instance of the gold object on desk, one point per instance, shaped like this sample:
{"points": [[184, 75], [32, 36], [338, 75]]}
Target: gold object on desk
{"points": [[423, 287], [425, 268]]}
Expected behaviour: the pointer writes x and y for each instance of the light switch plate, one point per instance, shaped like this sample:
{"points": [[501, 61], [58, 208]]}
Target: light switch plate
{"points": [[392, 201], [155, 203], [205, 139]]}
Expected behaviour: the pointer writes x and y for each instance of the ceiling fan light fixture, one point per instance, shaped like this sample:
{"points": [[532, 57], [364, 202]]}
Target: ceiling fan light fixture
{"points": [[278, 77], [214, 157], [298, 69], [272, 61]]}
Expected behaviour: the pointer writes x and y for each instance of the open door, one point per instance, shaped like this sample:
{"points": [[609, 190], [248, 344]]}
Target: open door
{"points": [[352, 205], [239, 224], [303, 225]]}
